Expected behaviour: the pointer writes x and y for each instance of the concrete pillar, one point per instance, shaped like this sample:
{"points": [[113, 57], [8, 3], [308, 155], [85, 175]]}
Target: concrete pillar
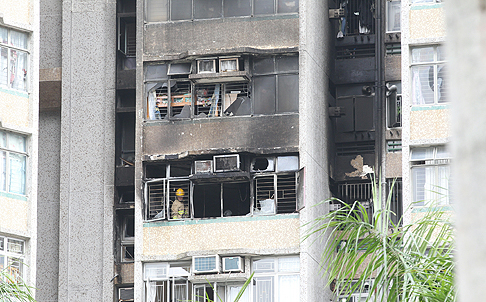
{"points": [[314, 61], [466, 45], [87, 150]]}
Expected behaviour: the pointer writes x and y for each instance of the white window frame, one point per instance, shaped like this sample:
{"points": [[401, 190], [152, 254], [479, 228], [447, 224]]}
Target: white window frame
{"points": [[435, 63], [388, 17], [8, 46], [6, 255], [438, 194], [4, 149]]}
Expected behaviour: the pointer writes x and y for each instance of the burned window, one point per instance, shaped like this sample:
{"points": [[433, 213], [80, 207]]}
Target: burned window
{"points": [[155, 192], [276, 84], [358, 18], [179, 205], [207, 200], [222, 99], [221, 199], [127, 240], [275, 194]]}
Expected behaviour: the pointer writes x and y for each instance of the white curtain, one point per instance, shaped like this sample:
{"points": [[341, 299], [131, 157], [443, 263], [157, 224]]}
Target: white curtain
{"points": [[151, 291], [3, 170], [288, 288]]}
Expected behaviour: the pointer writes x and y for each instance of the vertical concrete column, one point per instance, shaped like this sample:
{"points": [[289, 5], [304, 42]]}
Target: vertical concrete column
{"points": [[314, 61], [466, 45], [87, 150]]}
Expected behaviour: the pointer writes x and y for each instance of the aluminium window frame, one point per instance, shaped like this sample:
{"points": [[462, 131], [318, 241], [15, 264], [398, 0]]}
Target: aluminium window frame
{"points": [[7, 152], [388, 3], [8, 46], [9, 255], [434, 63]]}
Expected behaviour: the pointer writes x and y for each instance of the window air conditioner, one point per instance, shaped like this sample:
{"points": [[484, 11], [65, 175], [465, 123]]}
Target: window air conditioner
{"points": [[203, 166], [156, 271], [205, 264], [263, 164], [226, 163], [125, 294], [232, 264]]}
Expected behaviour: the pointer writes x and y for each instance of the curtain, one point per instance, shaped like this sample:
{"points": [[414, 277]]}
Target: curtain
{"points": [[288, 288]]}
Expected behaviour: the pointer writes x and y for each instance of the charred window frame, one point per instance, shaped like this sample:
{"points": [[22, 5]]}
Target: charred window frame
{"points": [[127, 36], [187, 10], [14, 59], [12, 253], [127, 237], [431, 175], [358, 18], [428, 72], [275, 85]]}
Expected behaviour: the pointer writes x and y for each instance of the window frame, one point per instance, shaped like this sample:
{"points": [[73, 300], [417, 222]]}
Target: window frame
{"points": [[388, 3], [6, 255], [434, 161], [7, 172], [434, 63], [9, 48]]}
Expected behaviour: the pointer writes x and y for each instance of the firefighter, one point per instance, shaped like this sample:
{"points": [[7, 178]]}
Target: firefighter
{"points": [[178, 209]]}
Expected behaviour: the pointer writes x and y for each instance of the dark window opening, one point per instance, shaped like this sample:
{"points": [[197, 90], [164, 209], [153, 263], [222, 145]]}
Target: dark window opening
{"points": [[127, 36], [129, 228], [155, 171], [126, 195], [180, 169], [128, 253], [181, 99], [179, 206], [236, 199], [396, 201], [126, 98], [207, 200], [358, 17], [127, 155], [261, 164]]}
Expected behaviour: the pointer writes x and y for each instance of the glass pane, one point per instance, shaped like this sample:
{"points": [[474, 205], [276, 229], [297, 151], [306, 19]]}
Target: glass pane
{"points": [[3, 35], [15, 246], [422, 84], [424, 184], [288, 288], [14, 267], [16, 142], [441, 86], [288, 6], [422, 54], [3, 66], [264, 100], [288, 93], [289, 264], [156, 10], [263, 289], [288, 63], [3, 170], [207, 9], [443, 183], [441, 55], [3, 139], [181, 68], [262, 66], [422, 153], [235, 8], [233, 291], [18, 69], [2, 242], [442, 153], [263, 7], [156, 72], [181, 10], [393, 16], [264, 265], [17, 173], [18, 39]]}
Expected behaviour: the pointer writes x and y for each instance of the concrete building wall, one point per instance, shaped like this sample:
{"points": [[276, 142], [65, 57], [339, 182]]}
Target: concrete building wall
{"points": [[169, 240], [314, 73], [87, 151]]}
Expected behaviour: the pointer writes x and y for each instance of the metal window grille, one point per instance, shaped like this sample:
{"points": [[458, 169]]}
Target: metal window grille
{"points": [[359, 17], [156, 199], [208, 100], [396, 202], [351, 192], [355, 51], [286, 193]]}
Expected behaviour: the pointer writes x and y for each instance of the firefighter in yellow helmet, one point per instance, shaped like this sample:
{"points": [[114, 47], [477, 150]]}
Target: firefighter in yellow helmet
{"points": [[178, 209]]}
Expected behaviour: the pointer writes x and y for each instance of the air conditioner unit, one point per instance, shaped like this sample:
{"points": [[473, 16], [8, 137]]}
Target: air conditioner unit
{"points": [[232, 264], [125, 294], [156, 271], [205, 264], [263, 164], [226, 163], [203, 166]]}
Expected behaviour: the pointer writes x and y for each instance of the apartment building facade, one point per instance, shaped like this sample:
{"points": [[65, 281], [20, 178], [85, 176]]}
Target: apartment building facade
{"points": [[19, 53]]}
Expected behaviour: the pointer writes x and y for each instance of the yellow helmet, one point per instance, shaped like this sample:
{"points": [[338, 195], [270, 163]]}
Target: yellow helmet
{"points": [[180, 192]]}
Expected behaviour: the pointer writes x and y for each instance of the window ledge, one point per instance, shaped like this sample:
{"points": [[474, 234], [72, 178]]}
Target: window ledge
{"points": [[430, 107], [14, 196], [20, 93]]}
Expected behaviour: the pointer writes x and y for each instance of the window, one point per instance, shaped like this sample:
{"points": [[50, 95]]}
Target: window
{"points": [[127, 238], [12, 256], [276, 84], [428, 75], [393, 15], [164, 282], [182, 190], [276, 279], [185, 10], [430, 175], [13, 160], [13, 58]]}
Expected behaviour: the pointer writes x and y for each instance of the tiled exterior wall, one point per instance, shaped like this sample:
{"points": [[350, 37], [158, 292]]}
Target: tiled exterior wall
{"points": [[429, 124], [15, 109], [14, 215], [427, 21]]}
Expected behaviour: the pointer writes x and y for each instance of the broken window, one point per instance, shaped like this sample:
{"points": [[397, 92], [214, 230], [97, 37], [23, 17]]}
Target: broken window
{"points": [[428, 75], [361, 192], [13, 58], [276, 84], [12, 256], [127, 235], [208, 100], [155, 192], [13, 162], [358, 18], [275, 194], [431, 175], [179, 204], [221, 199], [181, 99]]}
